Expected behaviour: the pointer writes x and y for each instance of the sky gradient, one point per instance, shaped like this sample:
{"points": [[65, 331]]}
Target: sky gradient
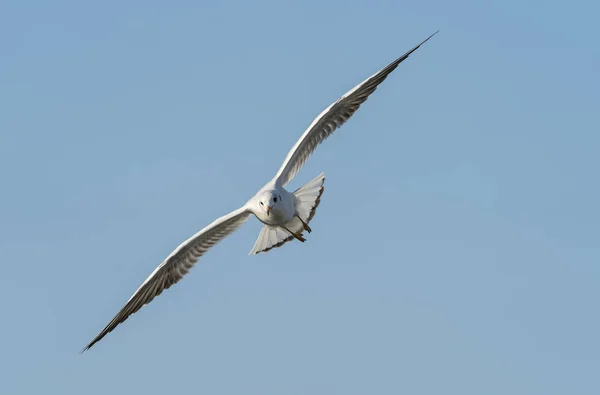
{"points": [[456, 249]]}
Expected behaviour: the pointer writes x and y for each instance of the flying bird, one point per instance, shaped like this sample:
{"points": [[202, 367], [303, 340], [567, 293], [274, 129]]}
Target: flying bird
{"points": [[285, 215]]}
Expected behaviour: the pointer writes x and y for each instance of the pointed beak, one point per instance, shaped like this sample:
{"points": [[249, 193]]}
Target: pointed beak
{"points": [[268, 210]]}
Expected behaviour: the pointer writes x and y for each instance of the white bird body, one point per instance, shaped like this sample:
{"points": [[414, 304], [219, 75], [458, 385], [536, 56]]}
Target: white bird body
{"points": [[281, 212], [285, 214]]}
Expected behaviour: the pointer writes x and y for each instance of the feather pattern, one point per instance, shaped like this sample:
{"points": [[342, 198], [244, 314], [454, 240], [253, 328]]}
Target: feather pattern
{"points": [[332, 118], [177, 265]]}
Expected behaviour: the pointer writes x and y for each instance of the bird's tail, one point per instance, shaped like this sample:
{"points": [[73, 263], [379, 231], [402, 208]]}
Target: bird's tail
{"points": [[308, 198]]}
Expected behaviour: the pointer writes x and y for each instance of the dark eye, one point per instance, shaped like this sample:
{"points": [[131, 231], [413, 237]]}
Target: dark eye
{"points": [[261, 203], [275, 199]]}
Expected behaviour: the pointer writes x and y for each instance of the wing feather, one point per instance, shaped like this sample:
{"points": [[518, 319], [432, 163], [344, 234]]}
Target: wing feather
{"points": [[332, 118], [175, 266]]}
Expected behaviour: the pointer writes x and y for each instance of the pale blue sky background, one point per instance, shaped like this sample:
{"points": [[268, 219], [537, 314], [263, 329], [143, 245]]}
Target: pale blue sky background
{"points": [[456, 250]]}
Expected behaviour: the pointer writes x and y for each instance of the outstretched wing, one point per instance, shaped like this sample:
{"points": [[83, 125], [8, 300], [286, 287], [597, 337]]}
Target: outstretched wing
{"points": [[177, 265], [332, 118]]}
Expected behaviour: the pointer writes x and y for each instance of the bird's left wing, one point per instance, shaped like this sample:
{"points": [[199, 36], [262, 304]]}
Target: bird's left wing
{"points": [[332, 118], [177, 265]]}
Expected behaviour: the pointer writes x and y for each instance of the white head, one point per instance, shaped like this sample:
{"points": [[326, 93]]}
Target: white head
{"points": [[269, 201]]}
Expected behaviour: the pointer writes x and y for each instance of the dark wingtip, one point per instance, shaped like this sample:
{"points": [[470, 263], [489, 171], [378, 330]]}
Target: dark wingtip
{"points": [[96, 340], [406, 55], [87, 347], [427, 39]]}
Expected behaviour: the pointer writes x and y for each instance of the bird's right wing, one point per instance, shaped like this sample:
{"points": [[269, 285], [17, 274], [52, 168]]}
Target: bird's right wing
{"points": [[177, 265]]}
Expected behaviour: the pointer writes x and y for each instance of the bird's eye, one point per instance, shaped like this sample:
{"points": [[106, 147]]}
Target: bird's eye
{"points": [[275, 199], [261, 203]]}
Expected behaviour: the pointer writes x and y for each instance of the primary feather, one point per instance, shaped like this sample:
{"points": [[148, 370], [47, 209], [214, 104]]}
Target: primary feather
{"points": [[332, 118], [177, 265]]}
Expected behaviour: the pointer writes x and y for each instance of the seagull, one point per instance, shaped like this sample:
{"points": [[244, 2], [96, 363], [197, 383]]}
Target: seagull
{"points": [[285, 215]]}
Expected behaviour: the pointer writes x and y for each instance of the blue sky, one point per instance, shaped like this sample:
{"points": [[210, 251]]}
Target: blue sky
{"points": [[456, 248]]}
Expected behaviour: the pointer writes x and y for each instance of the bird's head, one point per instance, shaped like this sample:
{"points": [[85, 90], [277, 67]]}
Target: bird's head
{"points": [[268, 201]]}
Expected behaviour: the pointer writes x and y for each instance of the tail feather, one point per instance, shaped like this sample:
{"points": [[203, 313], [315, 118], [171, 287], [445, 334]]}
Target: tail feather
{"points": [[308, 198], [270, 237]]}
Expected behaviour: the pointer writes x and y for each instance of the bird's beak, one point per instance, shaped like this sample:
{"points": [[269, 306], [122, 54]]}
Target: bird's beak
{"points": [[268, 210]]}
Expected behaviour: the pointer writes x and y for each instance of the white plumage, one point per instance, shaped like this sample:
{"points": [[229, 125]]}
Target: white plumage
{"points": [[285, 215]]}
